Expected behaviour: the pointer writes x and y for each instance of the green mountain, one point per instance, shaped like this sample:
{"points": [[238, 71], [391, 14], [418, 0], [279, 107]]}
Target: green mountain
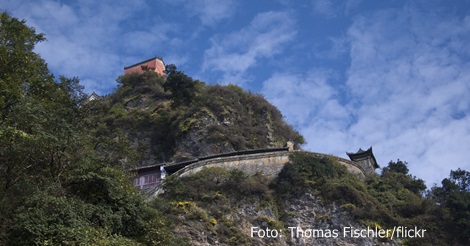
{"points": [[65, 166], [213, 119]]}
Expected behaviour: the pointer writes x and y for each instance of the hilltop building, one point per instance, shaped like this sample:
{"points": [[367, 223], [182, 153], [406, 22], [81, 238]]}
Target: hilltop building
{"points": [[154, 64]]}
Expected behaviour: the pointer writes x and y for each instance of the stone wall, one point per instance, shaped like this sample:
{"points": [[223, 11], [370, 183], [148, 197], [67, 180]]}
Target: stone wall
{"points": [[269, 164], [266, 163]]}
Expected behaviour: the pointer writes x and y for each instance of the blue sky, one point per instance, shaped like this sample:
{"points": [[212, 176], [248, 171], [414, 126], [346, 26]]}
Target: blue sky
{"points": [[394, 75]]}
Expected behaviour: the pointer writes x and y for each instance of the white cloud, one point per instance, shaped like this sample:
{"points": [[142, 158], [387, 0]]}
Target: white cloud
{"points": [[235, 53], [411, 81], [210, 12], [326, 8], [407, 94], [309, 101], [333, 8]]}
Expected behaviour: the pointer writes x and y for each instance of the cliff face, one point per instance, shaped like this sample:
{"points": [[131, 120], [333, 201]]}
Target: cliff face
{"points": [[218, 119], [330, 224], [308, 221], [220, 207]]}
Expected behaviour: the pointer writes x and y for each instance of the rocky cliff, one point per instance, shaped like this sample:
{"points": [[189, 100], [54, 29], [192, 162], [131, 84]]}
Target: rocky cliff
{"points": [[218, 119], [308, 222], [220, 207]]}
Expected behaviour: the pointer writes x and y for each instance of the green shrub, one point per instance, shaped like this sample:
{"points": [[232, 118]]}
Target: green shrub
{"points": [[117, 111], [304, 172]]}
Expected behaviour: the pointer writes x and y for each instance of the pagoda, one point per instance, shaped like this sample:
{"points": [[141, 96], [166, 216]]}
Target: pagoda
{"points": [[365, 159]]}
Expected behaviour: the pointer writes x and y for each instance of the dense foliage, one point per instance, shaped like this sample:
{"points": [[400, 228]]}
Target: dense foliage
{"points": [[62, 176]]}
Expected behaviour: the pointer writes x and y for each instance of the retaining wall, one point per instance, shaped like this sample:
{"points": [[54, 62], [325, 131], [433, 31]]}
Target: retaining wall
{"points": [[266, 163]]}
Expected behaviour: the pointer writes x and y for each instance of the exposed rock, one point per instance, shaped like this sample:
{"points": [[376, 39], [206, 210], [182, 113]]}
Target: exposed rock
{"points": [[322, 225], [308, 212]]}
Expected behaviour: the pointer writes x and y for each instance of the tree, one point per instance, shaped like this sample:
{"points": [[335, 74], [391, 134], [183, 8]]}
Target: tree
{"points": [[23, 71], [396, 167], [461, 178], [181, 86], [170, 69], [57, 186], [25, 83], [397, 172], [454, 198]]}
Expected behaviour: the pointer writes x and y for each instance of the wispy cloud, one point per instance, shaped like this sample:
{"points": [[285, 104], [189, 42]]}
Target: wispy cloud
{"points": [[411, 82], [210, 12], [304, 97], [407, 93], [333, 8], [339, 47], [233, 54]]}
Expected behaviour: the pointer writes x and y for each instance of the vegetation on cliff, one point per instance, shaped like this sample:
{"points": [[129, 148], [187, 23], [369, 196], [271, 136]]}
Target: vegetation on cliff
{"points": [[226, 204], [175, 118], [64, 164]]}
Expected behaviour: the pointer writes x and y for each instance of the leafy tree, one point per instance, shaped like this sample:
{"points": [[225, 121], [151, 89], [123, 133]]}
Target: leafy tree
{"points": [[461, 178], [306, 172], [397, 174], [30, 104], [170, 69], [62, 177], [23, 71], [182, 87], [396, 167], [454, 196]]}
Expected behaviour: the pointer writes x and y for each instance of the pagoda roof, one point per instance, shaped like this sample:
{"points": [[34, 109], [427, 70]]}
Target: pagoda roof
{"points": [[361, 154]]}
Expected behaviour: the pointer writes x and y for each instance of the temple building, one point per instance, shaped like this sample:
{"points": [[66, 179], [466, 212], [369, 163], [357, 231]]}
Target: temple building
{"points": [[154, 64], [365, 159]]}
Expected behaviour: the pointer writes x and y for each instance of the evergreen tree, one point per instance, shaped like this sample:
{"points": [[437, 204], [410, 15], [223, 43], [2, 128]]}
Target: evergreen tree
{"points": [[182, 87]]}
